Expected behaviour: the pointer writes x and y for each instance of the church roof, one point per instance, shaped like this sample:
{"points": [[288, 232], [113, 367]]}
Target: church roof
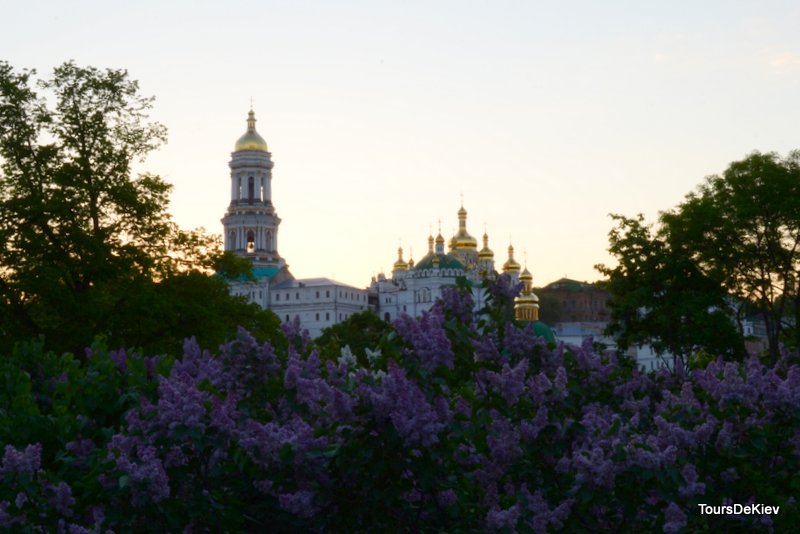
{"points": [[571, 285], [446, 261], [542, 330], [265, 272], [311, 282]]}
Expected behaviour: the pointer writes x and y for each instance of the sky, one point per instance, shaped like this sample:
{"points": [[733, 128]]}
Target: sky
{"points": [[545, 117]]}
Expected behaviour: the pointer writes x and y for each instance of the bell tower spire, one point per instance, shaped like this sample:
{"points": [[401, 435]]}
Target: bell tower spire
{"points": [[251, 223]]}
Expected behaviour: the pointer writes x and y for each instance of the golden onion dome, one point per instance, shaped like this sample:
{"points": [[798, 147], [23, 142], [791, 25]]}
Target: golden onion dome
{"points": [[400, 265], [486, 253], [529, 299], [511, 265], [462, 240], [251, 140], [526, 305]]}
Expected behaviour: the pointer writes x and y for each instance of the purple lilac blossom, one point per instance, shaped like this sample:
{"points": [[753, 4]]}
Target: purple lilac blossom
{"points": [[428, 340]]}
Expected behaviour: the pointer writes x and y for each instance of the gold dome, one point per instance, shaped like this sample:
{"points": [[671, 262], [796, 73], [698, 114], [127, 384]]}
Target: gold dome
{"points": [[251, 140], [462, 240], [486, 253], [400, 265], [511, 265], [526, 305]]}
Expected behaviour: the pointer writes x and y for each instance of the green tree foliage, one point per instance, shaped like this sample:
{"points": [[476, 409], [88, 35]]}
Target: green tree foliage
{"points": [[86, 247], [661, 298], [732, 246], [360, 331], [743, 228]]}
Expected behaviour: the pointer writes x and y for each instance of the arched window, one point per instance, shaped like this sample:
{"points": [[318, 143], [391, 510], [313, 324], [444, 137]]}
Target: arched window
{"points": [[269, 241], [251, 242], [250, 190], [232, 240], [387, 317]]}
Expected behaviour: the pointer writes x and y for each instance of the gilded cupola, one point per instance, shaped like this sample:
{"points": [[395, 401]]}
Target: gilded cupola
{"points": [[462, 240], [400, 265], [251, 140], [511, 265], [526, 305], [485, 253]]}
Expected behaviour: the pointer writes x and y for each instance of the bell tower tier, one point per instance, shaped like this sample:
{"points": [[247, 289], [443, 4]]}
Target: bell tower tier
{"points": [[251, 223]]}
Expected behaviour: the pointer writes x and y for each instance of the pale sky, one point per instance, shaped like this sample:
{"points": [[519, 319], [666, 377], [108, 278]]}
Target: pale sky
{"points": [[546, 116]]}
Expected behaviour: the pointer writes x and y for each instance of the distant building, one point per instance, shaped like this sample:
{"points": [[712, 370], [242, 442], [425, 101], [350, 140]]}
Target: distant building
{"points": [[250, 227], [576, 301], [413, 288]]}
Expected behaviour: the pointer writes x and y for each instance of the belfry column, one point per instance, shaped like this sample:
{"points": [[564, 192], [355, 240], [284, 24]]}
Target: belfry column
{"points": [[251, 215]]}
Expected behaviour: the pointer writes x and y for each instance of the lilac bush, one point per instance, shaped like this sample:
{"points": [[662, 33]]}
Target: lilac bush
{"points": [[456, 423]]}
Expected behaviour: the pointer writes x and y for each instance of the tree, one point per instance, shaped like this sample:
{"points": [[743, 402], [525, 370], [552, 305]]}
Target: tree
{"points": [[743, 228], [360, 331], [81, 239], [731, 246], [661, 298]]}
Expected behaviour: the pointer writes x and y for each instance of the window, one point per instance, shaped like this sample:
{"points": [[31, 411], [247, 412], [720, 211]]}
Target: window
{"points": [[317, 294], [297, 296], [287, 318], [251, 241], [317, 317], [277, 297], [287, 296], [250, 190], [327, 316], [387, 317], [327, 294]]}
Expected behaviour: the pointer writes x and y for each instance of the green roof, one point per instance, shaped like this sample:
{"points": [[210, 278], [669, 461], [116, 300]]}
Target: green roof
{"points": [[446, 261], [265, 272], [542, 330]]}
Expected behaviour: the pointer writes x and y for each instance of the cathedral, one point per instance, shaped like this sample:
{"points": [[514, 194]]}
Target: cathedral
{"points": [[250, 227]]}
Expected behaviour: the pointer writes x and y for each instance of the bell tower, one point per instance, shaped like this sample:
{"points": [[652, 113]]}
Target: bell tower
{"points": [[251, 223]]}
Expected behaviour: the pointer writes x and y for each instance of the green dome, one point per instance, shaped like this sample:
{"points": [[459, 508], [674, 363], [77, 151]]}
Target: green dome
{"points": [[446, 261], [542, 330]]}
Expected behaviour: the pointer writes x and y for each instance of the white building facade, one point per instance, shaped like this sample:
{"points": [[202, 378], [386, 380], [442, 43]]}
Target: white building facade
{"points": [[413, 288]]}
